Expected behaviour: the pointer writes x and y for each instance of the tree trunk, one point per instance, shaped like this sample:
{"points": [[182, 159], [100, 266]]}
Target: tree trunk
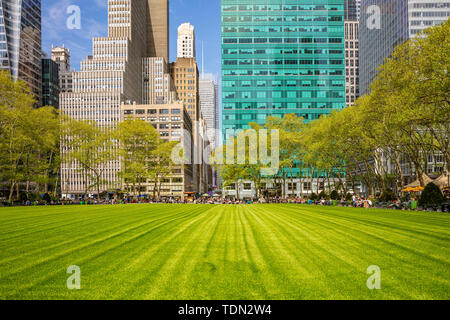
{"points": [[98, 187], [419, 174], [400, 178], [155, 184], [292, 182], [11, 190], [328, 181], [55, 192]]}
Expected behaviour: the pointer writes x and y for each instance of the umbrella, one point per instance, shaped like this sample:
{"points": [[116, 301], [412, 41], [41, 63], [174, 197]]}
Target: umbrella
{"points": [[411, 189]]}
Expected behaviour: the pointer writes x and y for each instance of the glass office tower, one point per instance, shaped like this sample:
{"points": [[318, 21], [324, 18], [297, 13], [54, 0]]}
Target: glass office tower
{"points": [[20, 41], [281, 57], [377, 43], [50, 83]]}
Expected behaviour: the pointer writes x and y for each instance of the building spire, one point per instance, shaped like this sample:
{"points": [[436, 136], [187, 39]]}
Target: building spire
{"points": [[203, 62]]}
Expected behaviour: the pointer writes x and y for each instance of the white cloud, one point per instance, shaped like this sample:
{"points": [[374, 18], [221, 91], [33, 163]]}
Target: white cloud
{"points": [[101, 3]]}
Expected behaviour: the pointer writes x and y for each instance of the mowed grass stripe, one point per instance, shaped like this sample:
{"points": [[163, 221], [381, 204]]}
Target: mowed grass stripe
{"points": [[222, 252], [83, 252], [423, 262], [72, 235], [407, 240]]}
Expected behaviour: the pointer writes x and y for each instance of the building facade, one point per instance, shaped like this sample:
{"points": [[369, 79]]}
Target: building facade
{"points": [[185, 75], [173, 124], [158, 28], [423, 14], [186, 41], [20, 42], [157, 83], [380, 32], [351, 62], [61, 55], [281, 57], [352, 9], [50, 83]]}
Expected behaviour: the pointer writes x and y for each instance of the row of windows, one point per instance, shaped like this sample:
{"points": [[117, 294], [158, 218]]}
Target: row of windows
{"points": [[274, 7], [432, 14], [283, 51], [282, 94], [282, 18], [153, 111], [429, 5], [255, 106], [283, 72], [229, 62], [282, 40], [315, 29], [237, 126], [281, 83]]}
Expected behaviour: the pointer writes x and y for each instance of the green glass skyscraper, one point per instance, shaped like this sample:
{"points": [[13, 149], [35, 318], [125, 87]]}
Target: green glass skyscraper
{"points": [[281, 57]]}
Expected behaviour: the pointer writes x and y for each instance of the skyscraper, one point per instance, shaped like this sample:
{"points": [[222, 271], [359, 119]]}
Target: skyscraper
{"points": [[208, 106], [61, 55], [280, 58], [158, 29], [50, 83], [185, 75], [186, 41], [399, 20], [351, 61], [20, 42]]}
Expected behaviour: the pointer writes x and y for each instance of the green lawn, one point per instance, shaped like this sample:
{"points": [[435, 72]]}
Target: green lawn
{"points": [[222, 252]]}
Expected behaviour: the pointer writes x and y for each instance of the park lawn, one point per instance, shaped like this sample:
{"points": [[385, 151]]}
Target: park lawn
{"points": [[272, 251]]}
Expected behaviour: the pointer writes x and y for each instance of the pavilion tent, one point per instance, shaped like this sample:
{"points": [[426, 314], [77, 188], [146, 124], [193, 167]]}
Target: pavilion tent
{"points": [[415, 184], [442, 181]]}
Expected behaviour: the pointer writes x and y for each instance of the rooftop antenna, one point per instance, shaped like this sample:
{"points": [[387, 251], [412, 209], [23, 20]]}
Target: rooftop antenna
{"points": [[203, 63]]}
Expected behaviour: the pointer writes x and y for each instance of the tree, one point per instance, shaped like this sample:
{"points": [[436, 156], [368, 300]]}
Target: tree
{"points": [[431, 195], [291, 146], [160, 164], [138, 142], [411, 96], [29, 138], [89, 148], [231, 173]]}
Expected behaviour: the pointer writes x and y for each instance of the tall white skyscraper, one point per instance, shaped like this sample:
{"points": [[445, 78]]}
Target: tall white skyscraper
{"points": [[186, 41], [209, 107]]}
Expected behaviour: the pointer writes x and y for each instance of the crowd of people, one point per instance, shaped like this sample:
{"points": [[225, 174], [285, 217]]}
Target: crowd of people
{"points": [[355, 201]]}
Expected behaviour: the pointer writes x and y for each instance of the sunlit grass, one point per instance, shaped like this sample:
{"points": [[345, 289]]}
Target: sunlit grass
{"points": [[222, 252]]}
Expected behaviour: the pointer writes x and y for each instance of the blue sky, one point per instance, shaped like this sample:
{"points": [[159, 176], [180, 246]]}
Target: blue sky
{"points": [[203, 14]]}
